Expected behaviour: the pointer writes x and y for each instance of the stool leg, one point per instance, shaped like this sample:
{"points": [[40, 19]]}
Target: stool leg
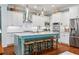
{"points": [[45, 47], [56, 43], [35, 49], [26, 50]]}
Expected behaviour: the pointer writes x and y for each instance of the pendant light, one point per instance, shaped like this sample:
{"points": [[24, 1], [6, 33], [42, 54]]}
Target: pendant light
{"points": [[27, 19], [42, 12]]}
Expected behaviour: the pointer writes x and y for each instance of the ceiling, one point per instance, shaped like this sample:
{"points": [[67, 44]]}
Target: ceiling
{"points": [[48, 9]]}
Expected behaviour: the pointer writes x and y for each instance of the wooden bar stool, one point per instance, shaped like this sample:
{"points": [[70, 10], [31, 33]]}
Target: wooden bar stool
{"points": [[39, 46], [49, 44], [45, 45], [54, 41], [28, 48], [35, 48], [42, 47]]}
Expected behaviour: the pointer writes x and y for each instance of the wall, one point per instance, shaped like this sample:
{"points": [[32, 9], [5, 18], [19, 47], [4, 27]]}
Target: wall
{"points": [[74, 11], [55, 18], [63, 19], [15, 19], [9, 18], [64, 36]]}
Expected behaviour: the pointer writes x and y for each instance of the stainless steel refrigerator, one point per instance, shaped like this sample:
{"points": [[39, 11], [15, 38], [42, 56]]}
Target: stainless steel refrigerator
{"points": [[74, 32]]}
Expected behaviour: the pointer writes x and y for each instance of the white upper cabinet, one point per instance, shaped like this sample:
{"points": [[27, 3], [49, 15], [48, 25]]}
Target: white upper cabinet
{"points": [[39, 20], [74, 11], [56, 17]]}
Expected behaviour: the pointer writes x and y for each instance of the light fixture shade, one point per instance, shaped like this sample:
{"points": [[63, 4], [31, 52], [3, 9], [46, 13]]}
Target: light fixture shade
{"points": [[42, 12]]}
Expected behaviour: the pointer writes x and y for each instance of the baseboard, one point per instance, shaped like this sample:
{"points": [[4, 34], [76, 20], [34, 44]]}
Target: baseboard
{"points": [[64, 44], [61, 43]]}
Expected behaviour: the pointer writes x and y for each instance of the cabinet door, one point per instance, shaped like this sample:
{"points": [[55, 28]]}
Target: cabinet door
{"points": [[74, 12], [72, 41], [10, 38], [77, 42]]}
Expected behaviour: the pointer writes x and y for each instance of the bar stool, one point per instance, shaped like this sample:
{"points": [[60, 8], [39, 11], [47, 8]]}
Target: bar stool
{"points": [[56, 42], [28, 48], [45, 45], [49, 44], [35, 48], [38, 47], [52, 42], [42, 46]]}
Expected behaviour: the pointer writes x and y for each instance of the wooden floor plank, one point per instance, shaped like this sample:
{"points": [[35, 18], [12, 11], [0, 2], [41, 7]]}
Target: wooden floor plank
{"points": [[1, 49]]}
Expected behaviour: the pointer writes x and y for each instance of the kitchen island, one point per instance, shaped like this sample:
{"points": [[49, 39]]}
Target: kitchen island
{"points": [[21, 38]]}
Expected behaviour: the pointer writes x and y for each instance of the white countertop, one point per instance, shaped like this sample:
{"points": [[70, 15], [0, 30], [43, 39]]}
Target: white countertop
{"points": [[30, 33]]}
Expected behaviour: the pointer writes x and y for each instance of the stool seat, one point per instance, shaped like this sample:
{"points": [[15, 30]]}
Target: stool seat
{"points": [[28, 47], [38, 41], [45, 40], [27, 43], [48, 39], [37, 47]]}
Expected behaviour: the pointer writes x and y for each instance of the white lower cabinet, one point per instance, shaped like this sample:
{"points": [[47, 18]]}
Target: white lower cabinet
{"points": [[10, 38], [64, 38]]}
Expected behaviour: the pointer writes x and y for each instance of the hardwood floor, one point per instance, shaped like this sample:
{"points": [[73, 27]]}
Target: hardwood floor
{"points": [[62, 48], [1, 49]]}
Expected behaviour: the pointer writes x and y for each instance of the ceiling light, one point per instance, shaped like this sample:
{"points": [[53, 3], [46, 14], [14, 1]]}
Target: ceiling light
{"points": [[35, 7], [42, 13], [44, 9], [53, 5]]}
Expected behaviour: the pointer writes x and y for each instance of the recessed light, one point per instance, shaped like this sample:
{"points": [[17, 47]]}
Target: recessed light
{"points": [[35, 7], [44, 9], [53, 5]]}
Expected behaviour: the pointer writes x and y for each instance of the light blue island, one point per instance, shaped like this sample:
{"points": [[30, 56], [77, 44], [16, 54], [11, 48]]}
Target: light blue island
{"points": [[20, 39]]}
